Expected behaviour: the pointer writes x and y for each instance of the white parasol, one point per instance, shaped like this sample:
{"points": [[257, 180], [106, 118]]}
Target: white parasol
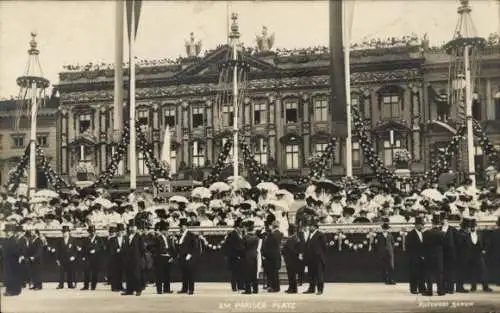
{"points": [[268, 186], [105, 203], [219, 187], [46, 193], [178, 199], [285, 195], [432, 194], [201, 192]]}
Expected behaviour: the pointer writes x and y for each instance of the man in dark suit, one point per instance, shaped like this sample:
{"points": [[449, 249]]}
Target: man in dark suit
{"points": [[23, 244], [66, 251], [134, 259], [384, 247], [93, 249], [301, 231], [164, 256], [117, 258], [11, 262], [315, 258], [478, 267], [434, 246], [234, 249], [449, 254], [272, 256], [188, 255], [416, 252], [291, 250], [250, 258], [462, 245]]}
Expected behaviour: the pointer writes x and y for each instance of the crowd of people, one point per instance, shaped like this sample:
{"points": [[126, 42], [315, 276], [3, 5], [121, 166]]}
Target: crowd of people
{"points": [[140, 237]]}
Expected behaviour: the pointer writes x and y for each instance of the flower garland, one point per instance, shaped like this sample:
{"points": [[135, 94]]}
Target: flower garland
{"points": [[488, 149], [318, 167], [54, 179], [19, 171], [105, 177], [259, 172], [219, 165], [214, 247]]}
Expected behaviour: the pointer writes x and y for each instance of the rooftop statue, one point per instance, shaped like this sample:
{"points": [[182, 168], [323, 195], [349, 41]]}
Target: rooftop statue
{"points": [[193, 47], [264, 42]]}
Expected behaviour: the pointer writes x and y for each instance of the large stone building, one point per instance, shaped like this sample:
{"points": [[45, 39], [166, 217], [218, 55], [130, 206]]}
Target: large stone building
{"points": [[286, 112], [15, 136]]}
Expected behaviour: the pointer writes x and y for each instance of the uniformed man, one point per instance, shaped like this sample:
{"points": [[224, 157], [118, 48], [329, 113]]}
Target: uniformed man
{"points": [[252, 246], [315, 258], [188, 255], [134, 258], [11, 262], [117, 258], [291, 250], [164, 256], [477, 259], [449, 253], [66, 251], [384, 247], [93, 249], [234, 249], [434, 246], [416, 251]]}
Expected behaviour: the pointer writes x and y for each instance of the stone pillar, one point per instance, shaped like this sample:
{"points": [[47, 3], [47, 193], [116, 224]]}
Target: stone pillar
{"points": [[375, 108], [156, 134], [490, 103], [415, 106], [185, 132], [64, 141], [366, 103], [209, 132], [273, 125], [306, 126], [101, 166]]}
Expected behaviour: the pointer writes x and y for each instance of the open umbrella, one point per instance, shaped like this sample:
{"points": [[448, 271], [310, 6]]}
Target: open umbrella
{"points": [[239, 184], [105, 203], [219, 187], [201, 192], [288, 184], [268, 186], [178, 199], [324, 183], [432, 194], [45, 193], [278, 204], [285, 195]]}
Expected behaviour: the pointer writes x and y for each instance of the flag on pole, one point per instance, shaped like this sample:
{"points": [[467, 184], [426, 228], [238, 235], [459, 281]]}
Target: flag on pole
{"points": [[136, 6]]}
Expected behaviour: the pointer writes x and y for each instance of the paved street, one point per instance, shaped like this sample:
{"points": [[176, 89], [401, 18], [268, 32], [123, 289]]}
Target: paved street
{"points": [[215, 297]]}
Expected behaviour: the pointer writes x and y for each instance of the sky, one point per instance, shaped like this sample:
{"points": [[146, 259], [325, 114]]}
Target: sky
{"points": [[71, 32]]}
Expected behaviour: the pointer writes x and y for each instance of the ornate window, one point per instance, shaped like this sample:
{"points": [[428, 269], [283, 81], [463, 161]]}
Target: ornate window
{"points": [[18, 141], [391, 106], [356, 154], [173, 161], [261, 151], [169, 114], [291, 112], [142, 169], [320, 147], [227, 115], [84, 122], [321, 109], [356, 103], [259, 113], [292, 156], [42, 140], [198, 154], [143, 117], [389, 150], [197, 117]]}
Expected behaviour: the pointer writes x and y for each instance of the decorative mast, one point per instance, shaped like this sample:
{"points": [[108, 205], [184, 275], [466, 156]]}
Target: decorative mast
{"points": [[34, 82], [234, 37], [464, 67]]}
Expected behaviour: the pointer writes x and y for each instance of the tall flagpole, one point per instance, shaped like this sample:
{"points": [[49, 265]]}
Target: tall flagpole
{"points": [[468, 109], [118, 87], [234, 40], [34, 114], [347, 69], [132, 148]]}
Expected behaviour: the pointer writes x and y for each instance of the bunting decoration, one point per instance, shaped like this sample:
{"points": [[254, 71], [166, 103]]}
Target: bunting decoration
{"points": [[219, 165], [135, 6]]}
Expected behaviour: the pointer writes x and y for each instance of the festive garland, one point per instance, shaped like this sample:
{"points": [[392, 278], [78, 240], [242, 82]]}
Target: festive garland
{"points": [[19, 171], [318, 167], [214, 247], [488, 148], [257, 170], [54, 179], [219, 165]]}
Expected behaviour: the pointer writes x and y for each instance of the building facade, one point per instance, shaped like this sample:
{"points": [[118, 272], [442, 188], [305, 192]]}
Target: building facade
{"points": [[286, 113], [15, 136]]}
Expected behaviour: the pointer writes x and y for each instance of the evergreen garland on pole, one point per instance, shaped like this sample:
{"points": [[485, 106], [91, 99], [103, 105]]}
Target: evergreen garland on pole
{"points": [[18, 171], [219, 165]]}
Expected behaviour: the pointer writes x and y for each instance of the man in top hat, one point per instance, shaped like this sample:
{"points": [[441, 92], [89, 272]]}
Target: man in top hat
{"points": [[164, 256], [315, 257], [23, 245], [462, 247], [449, 252], [135, 249], [252, 245], [416, 251], [291, 251], [272, 256], [93, 249], [234, 248], [384, 247], [189, 250], [117, 258], [143, 217], [477, 267], [66, 252], [434, 242], [11, 262]]}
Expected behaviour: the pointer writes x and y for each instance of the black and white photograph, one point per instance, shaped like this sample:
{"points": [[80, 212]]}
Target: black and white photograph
{"points": [[249, 156]]}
